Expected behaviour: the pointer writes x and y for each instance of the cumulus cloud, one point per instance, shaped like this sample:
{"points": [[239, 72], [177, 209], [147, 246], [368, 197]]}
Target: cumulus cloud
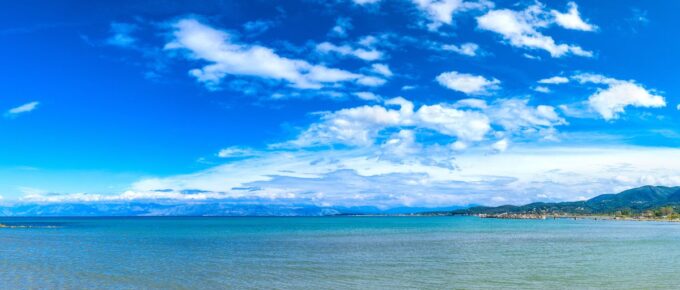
{"points": [[464, 122], [468, 49], [468, 83], [441, 11], [517, 117], [521, 29], [572, 19], [346, 50], [612, 100], [25, 108], [226, 57], [465, 125], [355, 126]]}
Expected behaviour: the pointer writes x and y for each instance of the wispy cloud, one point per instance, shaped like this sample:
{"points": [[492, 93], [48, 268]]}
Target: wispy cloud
{"points": [[468, 49], [226, 57], [441, 12], [346, 50], [257, 27], [236, 152], [382, 69], [521, 29], [122, 34], [25, 108]]}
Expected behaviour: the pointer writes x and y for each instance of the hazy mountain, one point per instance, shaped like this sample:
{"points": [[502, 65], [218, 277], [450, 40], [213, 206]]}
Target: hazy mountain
{"points": [[196, 209]]}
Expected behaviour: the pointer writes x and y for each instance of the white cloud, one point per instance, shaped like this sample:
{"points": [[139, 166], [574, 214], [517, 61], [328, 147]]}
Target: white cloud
{"points": [[122, 34], [342, 26], [471, 103], [258, 26], [346, 50], [358, 177], [466, 126], [368, 96], [225, 57], [572, 19], [467, 83], [542, 89], [25, 108], [235, 151], [371, 81], [382, 69], [531, 56], [401, 145], [467, 122], [520, 29], [441, 11], [516, 116], [501, 145], [459, 146], [130, 195], [611, 101], [469, 49], [368, 41], [355, 126], [594, 78], [554, 80]]}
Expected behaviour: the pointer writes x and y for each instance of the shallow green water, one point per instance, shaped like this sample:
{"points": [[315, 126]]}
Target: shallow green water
{"points": [[338, 252]]}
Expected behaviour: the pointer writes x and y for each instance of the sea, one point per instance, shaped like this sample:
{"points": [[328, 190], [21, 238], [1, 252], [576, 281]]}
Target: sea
{"points": [[337, 253]]}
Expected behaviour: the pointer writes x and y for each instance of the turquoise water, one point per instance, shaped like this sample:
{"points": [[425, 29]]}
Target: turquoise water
{"points": [[337, 252]]}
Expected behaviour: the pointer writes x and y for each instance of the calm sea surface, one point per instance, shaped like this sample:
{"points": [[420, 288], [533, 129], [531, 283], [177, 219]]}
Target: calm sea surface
{"points": [[337, 252]]}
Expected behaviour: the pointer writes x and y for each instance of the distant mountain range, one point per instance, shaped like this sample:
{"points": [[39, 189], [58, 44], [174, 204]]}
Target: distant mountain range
{"points": [[196, 209], [636, 200]]}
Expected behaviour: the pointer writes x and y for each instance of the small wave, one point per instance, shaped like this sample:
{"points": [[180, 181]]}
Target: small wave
{"points": [[26, 226]]}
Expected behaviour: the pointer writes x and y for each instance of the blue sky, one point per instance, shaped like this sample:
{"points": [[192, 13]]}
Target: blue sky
{"points": [[364, 102]]}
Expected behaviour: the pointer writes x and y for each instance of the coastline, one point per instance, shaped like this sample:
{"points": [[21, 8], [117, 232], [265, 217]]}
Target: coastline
{"points": [[574, 217]]}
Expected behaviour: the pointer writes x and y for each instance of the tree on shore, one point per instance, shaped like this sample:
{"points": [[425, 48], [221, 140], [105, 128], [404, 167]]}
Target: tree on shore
{"points": [[666, 211]]}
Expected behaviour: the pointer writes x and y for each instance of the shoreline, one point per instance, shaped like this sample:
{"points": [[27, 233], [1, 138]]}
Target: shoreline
{"points": [[574, 217]]}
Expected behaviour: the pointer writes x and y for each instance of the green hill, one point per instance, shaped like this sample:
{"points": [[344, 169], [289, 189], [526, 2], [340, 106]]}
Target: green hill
{"points": [[636, 200]]}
